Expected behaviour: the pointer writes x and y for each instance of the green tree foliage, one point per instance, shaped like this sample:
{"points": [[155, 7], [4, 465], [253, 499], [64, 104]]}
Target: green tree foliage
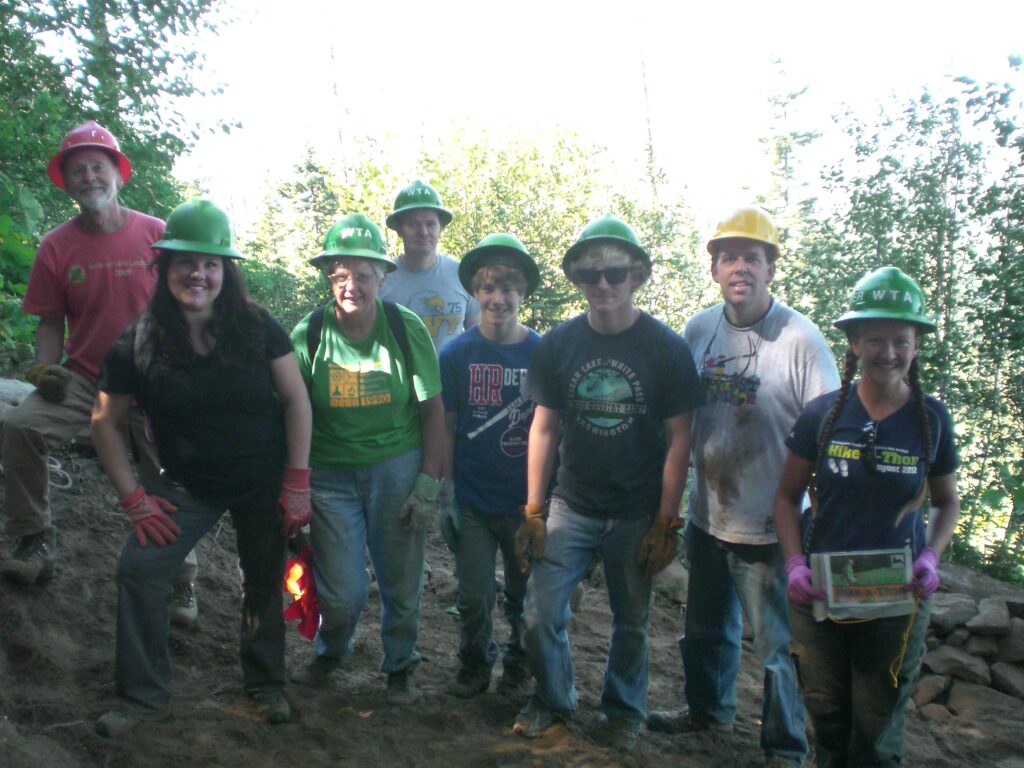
{"points": [[542, 191], [935, 187]]}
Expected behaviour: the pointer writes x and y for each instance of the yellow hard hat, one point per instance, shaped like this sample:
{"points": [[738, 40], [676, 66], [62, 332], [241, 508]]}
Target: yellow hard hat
{"points": [[750, 222]]}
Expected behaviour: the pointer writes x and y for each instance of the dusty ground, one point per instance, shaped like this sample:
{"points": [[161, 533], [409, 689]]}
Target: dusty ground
{"points": [[56, 667]]}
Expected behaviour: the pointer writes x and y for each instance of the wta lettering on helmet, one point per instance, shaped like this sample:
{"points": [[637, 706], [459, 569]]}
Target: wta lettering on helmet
{"points": [[880, 294], [347, 232]]}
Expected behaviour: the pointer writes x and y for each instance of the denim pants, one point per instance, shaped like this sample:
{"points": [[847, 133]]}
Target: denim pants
{"points": [[145, 582], [479, 538], [723, 578], [355, 511], [846, 670], [571, 542]]}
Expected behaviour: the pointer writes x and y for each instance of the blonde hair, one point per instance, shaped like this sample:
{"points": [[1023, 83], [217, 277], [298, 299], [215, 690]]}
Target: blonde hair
{"points": [[500, 274]]}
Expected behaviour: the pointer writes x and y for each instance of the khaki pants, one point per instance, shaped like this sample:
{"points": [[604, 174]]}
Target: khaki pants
{"points": [[34, 426]]}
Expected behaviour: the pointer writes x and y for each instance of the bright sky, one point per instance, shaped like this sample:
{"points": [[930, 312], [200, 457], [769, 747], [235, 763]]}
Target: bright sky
{"points": [[324, 73]]}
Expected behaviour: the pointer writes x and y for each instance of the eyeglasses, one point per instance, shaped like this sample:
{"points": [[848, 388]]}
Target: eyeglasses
{"points": [[358, 278], [868, 456], [613, 275]]}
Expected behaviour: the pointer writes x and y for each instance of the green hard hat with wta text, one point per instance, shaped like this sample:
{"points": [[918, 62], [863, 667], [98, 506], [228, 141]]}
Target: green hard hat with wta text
{"points": [[499, 249], [418, 195], [887, 294], [354, 235], [606, 229], [199, 226]]}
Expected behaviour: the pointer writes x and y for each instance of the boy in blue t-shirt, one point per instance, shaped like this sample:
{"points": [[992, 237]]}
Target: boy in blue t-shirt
{"points": [[488, 414]]}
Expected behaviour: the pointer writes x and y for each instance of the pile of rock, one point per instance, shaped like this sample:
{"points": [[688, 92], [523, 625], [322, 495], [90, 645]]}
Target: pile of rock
{"points": [[975, 656]]}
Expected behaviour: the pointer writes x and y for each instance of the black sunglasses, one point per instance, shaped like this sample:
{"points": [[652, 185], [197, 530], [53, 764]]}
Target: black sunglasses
{"points": [[868, 456], [613, 275]]}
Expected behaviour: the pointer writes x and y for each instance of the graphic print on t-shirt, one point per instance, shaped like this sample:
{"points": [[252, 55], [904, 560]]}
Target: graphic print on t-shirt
{"points": [[608, 396], [435, 312], [353, 388], [485, 392], [887, 460], [730, 379]]}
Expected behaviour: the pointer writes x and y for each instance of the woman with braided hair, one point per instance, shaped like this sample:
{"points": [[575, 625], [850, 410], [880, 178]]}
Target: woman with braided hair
{"points": [[869, 453]]}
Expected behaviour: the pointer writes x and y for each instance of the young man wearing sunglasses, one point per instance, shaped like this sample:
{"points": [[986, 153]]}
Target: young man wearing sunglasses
{"points": [[760, 363], [615, 391]]}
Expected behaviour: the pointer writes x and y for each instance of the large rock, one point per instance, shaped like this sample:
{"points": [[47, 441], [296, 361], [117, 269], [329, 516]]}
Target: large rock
{"points": [[958, 663], [935, 711], [985, 646], [1011, 647], [1008, 678], [12, 392], [957, 578], [950, 611], [993, 618], [980, 703], [929, 688]]}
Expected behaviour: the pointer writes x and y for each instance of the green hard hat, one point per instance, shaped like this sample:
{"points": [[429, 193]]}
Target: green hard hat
{"points": [[605, 229], [887, 294], [354, 235], [499, 249], [199, 226], [417, 195]]}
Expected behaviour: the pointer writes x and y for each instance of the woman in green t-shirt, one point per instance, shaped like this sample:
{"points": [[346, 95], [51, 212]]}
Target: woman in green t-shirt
{"points": [[376, 455]]}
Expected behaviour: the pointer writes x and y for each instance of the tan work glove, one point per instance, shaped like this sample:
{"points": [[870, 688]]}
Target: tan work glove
{"points": [[421, 506], [50, 380], [530, 536], [659, 545]]}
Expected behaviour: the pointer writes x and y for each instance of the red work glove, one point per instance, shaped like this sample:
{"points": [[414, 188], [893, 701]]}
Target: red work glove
{"points": [[800, 589], [293, 503], [149, 516], [926, 577]]}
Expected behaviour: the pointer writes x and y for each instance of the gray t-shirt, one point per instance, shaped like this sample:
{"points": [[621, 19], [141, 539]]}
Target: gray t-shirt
{"points": [[756, 381], [435, 294]]}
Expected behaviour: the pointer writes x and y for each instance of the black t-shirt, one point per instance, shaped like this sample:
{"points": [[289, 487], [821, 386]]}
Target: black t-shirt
{"points": [[614, 393], [219, 428]]}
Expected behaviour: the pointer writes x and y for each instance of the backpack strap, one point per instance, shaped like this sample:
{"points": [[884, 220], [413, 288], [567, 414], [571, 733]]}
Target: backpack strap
{"points": [[142, 346], [395, 324]]}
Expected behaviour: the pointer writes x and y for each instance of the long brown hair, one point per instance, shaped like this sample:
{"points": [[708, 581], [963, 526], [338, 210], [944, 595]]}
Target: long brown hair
{"points": [[236, 327]]}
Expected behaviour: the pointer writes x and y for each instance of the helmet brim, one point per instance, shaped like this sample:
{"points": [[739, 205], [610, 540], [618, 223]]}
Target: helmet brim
{"points": [[498, 254], [851, 318], [55, 168], [194, 246], [321, 260], [444, 216]]}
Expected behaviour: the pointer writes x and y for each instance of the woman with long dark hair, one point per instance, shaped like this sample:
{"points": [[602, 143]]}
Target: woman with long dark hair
{"points": [[870, 453], [217, 378]]}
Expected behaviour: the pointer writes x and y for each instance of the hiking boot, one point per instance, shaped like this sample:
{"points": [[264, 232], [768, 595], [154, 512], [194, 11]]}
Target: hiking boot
{"points": [[124, 717], [272, 704], [683, 721], [184, 607], [470, 682], [317, 673], [534, 719], [514, 681], [31, 560], [619, 734], [401, 688]]}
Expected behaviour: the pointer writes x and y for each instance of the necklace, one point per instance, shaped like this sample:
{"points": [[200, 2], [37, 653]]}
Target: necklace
{"points": [[753, 346]]}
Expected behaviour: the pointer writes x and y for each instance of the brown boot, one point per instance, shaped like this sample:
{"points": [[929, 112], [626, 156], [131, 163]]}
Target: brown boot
{"points": [[31, 560]]}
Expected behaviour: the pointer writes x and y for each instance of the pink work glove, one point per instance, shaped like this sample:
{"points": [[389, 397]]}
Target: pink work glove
{"points": [[800, 589], [149, 516], [293, 503], [926, 577]]}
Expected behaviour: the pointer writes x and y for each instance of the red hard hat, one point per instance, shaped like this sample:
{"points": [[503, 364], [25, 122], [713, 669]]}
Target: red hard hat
{"points": [[89, 134]]}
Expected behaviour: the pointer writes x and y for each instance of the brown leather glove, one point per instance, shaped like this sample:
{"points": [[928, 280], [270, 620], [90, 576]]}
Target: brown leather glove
{"points": [[659, 545], [50, 380], [530, 536]]}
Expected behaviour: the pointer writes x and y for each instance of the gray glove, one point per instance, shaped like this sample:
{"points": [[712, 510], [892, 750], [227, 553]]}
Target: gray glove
{"points": [[449, 519]]}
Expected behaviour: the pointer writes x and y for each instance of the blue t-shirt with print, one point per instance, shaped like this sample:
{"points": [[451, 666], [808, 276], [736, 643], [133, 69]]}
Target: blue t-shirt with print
{"points": [[859, 501], [484, 385]]}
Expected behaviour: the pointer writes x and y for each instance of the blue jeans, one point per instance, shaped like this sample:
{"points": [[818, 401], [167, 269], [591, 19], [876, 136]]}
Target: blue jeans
{"points": [[479, 538], [572, 540], [723, 578], [846, 672], [355, 511], [145, 582]]}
